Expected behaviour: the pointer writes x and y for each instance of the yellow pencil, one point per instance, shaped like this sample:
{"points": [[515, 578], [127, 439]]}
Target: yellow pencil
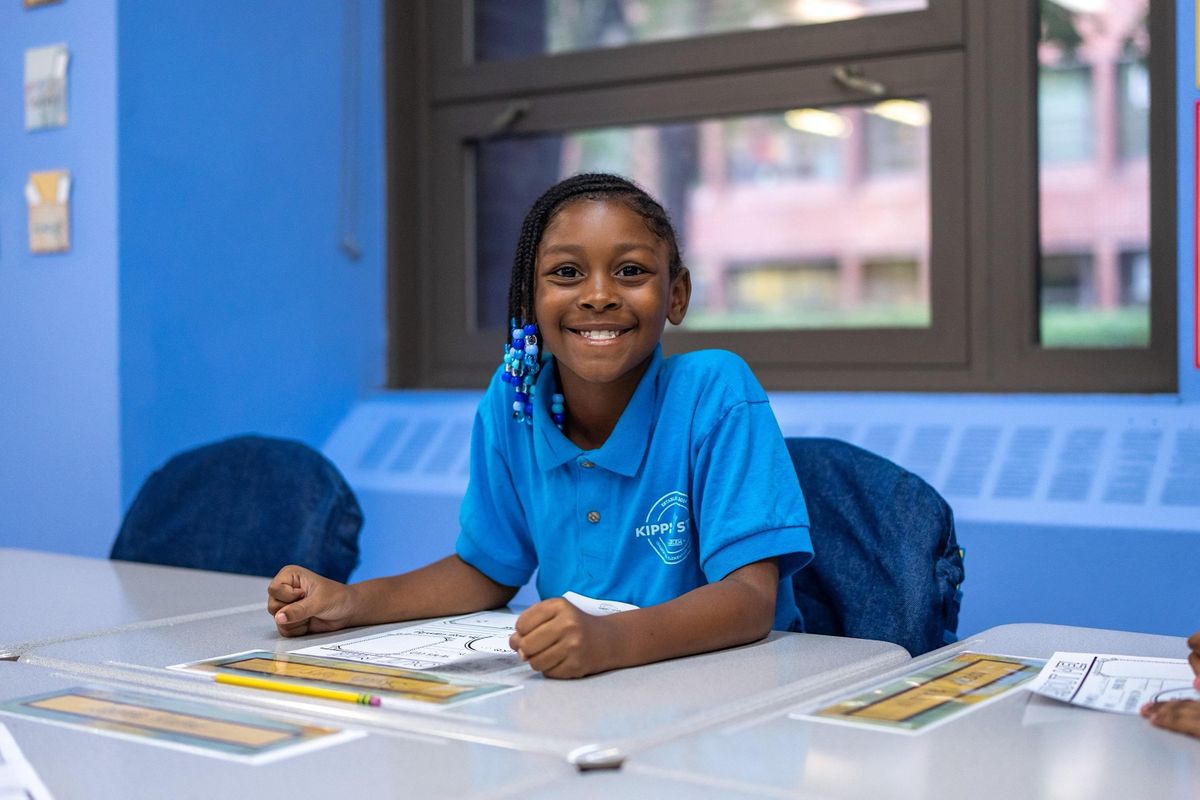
{"points": [[295, 688]]}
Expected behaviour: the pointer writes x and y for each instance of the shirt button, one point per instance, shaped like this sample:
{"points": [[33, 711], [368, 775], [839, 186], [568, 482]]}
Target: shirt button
{"points": [[593, 516], [586, 464]]}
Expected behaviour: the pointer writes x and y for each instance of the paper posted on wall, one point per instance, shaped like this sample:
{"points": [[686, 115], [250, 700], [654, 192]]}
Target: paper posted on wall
{"points": [[1114, 683]]}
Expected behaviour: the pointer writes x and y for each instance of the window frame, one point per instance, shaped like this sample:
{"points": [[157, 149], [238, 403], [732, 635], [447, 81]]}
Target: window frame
{"points": [[456, 77], [436, 99], [1018, 360]]}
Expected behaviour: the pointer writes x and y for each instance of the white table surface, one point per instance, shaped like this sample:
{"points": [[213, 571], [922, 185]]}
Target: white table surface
{"points": [[50, 597], [76, 763], [1021, 746], [600, 719]]}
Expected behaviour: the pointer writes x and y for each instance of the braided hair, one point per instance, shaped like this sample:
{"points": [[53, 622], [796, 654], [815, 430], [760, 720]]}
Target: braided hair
{"points": [[586, 186]]}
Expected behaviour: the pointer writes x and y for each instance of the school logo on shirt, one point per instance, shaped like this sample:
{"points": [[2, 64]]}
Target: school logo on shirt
{"points": [[666, 528]]}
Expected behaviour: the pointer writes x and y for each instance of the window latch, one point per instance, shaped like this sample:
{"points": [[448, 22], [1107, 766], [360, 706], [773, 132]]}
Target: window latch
{"points": [[503, 122], [852, 78]]}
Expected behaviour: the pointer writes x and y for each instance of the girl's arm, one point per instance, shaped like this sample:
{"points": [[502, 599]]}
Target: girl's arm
{"points": [[303, 602], [561, 641]]}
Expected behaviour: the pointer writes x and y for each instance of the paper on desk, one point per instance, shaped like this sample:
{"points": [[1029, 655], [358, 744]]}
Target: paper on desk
{"points": [[18, 779], [1114, 683], [390, 683], [932, 695], [177, 723], [474, 644]]}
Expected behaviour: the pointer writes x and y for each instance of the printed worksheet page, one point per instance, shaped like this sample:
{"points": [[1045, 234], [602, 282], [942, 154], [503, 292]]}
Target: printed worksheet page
{"points": [[1114, 683], [473, 644]]}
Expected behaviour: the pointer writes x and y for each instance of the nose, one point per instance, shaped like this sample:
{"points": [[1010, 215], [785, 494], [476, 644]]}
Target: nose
{"points": [[599, 293]]}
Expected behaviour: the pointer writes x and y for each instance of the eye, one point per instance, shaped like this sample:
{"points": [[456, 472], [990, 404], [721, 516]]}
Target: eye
{"points": [[566, 271], [630, 271]]}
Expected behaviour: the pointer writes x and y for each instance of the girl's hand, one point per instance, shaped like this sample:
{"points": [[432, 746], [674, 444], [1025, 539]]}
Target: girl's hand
{"points": [[301, 601], [1181, 716], [560, 641]]}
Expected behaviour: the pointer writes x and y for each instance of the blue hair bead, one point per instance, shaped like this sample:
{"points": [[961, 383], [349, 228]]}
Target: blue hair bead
{"points": [[521, 368]]}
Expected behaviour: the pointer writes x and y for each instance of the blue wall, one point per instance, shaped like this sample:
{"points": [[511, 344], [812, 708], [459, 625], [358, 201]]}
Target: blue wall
{"points": [[217, 301], [238, 310], [59, 420]]}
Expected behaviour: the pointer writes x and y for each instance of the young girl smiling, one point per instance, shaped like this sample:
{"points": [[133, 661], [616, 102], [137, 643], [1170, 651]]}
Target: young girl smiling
{"points": [[614, 472]]}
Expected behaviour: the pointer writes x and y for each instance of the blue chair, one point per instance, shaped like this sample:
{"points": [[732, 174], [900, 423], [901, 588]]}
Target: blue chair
{"points": [[887, 564], [249, 504]]}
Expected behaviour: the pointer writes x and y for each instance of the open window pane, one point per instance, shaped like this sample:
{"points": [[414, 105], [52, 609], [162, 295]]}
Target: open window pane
{"points": [[1093, 125], [807, 218], [506, 29]]}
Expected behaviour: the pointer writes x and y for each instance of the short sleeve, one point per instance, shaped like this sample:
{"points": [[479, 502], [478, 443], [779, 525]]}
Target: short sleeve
{"points": [[494, 535], [747, 501]]}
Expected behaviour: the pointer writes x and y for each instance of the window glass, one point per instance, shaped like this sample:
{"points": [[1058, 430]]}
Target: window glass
{"points": [[523, 28], [806, 218], [1093, 134]]}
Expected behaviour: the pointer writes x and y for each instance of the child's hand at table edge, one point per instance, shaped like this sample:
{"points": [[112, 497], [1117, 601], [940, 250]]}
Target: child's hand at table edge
{"points": [[301, 601], [560, 641], [1181, 716]]}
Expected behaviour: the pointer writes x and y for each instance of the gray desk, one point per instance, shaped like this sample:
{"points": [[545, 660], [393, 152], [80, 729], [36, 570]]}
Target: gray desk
{"points": [[50, 597], [596, 720], [1020, 746], [75, 763]]}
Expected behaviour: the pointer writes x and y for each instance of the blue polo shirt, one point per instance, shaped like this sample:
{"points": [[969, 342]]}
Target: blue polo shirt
{"points": [[693, 483]]}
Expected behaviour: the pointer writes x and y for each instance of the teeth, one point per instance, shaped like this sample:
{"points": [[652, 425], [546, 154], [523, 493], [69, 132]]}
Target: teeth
{"points": [[599, 334]]}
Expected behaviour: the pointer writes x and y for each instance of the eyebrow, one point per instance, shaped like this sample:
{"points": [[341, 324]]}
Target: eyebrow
{"points": [[617, 249]]}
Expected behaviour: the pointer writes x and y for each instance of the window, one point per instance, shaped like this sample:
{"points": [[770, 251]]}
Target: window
{"points": [[506, 29], [1093, 110], [885, 194]]}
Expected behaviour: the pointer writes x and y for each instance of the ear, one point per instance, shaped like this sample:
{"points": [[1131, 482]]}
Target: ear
{"points": [[681, 295]]}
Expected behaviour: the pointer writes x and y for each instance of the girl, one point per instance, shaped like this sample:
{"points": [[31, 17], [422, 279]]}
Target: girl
{"points": [[616, 473]]}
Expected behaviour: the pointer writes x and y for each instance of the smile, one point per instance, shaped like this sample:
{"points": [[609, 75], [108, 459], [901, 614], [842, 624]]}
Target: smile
{"points": [[606, 335]]}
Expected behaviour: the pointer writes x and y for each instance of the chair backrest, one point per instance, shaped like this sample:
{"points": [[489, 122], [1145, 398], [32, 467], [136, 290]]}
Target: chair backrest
{"points": [[249, 504], [887, 564]]}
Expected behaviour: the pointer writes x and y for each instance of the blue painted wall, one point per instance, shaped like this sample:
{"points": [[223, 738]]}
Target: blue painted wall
{"points": [[239, 312], [59, 419], [206, 294]]}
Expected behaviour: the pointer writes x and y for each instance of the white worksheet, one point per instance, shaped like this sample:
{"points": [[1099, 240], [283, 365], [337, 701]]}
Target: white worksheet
{"points": [[17, 776], [474, 644], [1114, 683]]}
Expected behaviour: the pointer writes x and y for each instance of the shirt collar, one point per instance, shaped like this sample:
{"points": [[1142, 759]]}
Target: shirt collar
{"points": [[626, 445]]}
